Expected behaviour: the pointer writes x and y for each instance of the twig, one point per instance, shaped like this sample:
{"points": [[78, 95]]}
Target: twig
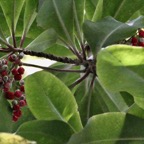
{"points": [[80, 79], [53, 69], [89, 96]]}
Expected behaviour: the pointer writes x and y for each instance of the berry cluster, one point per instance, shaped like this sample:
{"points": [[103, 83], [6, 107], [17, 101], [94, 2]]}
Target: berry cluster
{"points": [[11, 83], [138, 40]]}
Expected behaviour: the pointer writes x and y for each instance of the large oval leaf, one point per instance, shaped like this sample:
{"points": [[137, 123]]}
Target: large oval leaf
{"points": [[49, 99], [111, 128], [120, 68], [107, 31], [58, 15], [46, 132]]}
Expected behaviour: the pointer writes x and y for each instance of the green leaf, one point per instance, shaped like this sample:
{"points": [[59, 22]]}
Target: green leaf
{"points": [[26, 116], [29, 14], [58, 15], [49, 99], [12, 10], [111, 128], [106, 32], [120, 68], [6, 123], [90, 7], [46, 132], [43, 41], [121, 10], [100, 100], [98, 11], [7, 138]]}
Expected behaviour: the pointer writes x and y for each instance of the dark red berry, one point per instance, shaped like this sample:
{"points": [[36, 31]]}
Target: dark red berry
{"points": [[22, 103], [15, 118], [4, 73], [5, 89], [21, 70], [12, 58], [18, 93], [18, 77], [141, 44], [141, 33], [134, 40], [17, 113], [14, 71], [16, 107], [9, 95], [22, 88]]}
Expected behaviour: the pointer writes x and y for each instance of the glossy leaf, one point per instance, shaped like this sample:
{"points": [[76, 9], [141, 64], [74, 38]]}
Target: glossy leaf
{"points": [[6, 124], [120, 68], [59, 16], [12, 10], [90, 7], [49, 99], [111, 128], [46, 132], [43, 41], [121, 10], [106, 32], [29, 14], [100, 100]]}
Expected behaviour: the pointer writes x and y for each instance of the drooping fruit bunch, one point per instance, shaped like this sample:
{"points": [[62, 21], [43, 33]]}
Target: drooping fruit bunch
{"points": [[12, 84], [138, 40]]}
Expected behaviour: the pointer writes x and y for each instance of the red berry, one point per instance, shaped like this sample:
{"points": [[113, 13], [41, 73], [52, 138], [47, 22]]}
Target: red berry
{"points": [[4, 73], [141, 44], [22, 88], [21, 70], [141, 33], [134, 40], [18, 77], [15, 118], [7, 85], [5, 89], [14, 71], [18, 93], [12, 58], [16, 107], [22, 103], [9, 95], [17, 113]]}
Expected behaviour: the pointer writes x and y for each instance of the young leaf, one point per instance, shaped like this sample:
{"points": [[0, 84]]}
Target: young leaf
{"points": [[58, 15], [12, 10], [43, 41], [111, 128], [120, 68], [49, 99], [46, 132], [105, 32]]}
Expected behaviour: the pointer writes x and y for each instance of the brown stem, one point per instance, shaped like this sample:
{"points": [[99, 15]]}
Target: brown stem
{"points": [[51, 57], [80, 79]]}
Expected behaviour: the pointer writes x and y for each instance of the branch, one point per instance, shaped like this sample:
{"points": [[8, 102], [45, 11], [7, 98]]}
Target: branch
{"points": [[52, 57], [53, 69]]}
